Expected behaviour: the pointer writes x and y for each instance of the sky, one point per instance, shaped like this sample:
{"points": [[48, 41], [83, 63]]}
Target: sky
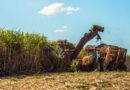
{"points": [[69, 19]]}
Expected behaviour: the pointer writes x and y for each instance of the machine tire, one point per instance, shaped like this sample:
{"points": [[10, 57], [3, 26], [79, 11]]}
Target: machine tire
{"points": [[101, 65], [95, 65], [123, 68]]}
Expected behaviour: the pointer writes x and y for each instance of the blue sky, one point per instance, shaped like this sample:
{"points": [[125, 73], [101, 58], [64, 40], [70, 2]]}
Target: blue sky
{"points": [[69, 19]]}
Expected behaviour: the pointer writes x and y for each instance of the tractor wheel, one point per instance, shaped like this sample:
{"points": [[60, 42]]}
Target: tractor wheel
{"points": [[94, 65]]}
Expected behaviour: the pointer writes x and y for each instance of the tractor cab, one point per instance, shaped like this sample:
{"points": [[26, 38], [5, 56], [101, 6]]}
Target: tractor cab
{"points": [[89, 60], [91, 51]]}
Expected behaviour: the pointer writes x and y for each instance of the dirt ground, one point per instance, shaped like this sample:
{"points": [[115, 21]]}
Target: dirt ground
{"points": [[68, 81]]}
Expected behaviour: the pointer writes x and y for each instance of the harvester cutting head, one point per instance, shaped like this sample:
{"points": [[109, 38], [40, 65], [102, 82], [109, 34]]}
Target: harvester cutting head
{"points": [[97, 29]]}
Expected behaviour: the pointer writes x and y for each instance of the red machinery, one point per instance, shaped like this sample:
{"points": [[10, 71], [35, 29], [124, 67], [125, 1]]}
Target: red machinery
{"points": [[111, 57], [87, 37], [70, 53]]}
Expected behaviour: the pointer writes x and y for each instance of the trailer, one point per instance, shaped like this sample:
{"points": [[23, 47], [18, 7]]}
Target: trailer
{"points": [[112, 57]]}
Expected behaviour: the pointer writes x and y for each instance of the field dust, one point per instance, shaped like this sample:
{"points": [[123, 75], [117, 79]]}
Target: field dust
{"points": [[68, 81]]}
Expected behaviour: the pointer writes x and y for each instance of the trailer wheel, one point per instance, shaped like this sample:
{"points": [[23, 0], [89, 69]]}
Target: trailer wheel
{"points": [[123, 68], [101, 65]]}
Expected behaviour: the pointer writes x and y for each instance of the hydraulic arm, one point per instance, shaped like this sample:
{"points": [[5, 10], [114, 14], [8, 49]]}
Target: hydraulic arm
{"points": [[87, 37]]}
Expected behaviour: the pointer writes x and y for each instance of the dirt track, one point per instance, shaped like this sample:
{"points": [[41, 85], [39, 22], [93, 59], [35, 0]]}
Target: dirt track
{"points": [[68, 81]]}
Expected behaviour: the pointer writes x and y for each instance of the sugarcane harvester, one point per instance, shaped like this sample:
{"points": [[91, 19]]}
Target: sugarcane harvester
{"points": [[104, 56], [70, 53]]}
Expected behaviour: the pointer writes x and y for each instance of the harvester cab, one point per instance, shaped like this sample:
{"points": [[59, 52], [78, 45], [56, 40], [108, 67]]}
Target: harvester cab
{"points": [[89, 60], [91, 51]]}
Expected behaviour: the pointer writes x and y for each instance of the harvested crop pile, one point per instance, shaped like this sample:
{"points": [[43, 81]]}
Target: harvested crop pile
{"points": [[26, 53]]}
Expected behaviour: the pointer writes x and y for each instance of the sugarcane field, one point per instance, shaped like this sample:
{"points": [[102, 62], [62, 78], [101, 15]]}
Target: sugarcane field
{"points": [[64, 45]]}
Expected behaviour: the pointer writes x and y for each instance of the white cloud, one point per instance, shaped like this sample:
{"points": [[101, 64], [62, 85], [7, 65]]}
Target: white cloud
{"points": [[70, 10], [51, 9], [57, 8], [63, 29]]}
